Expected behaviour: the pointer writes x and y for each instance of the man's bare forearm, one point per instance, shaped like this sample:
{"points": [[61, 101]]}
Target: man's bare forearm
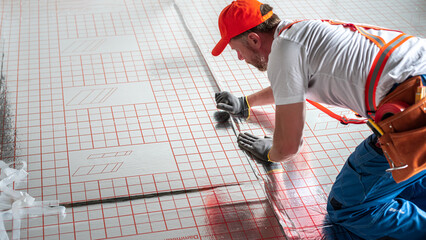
{"points": [[262, 97]]}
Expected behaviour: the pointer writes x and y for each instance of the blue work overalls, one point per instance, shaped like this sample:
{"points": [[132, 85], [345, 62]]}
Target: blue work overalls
{"points": [[368, 202]]}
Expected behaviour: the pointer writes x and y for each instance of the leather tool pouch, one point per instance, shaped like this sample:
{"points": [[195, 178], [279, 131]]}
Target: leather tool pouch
{"points": [[404, 138]]}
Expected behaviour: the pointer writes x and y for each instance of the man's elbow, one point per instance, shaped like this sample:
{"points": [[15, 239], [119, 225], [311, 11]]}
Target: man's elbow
{"points": [[288, 152]]}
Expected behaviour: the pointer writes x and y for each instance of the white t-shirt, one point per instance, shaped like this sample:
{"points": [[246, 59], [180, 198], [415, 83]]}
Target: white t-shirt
{"points": [[330, 64]]}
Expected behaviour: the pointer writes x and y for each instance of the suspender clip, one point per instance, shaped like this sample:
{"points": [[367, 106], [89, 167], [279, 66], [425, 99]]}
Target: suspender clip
{"points": [[371, 114], [344, 120]]}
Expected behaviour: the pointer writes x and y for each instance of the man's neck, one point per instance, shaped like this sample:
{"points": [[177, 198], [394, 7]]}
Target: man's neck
{"points": [[267, 39]]}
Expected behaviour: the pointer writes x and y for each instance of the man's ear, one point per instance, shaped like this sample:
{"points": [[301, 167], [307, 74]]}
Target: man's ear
{"points": [[254, 40]]}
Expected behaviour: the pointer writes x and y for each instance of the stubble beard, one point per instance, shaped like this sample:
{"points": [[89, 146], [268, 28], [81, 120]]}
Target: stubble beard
{"points": [[258, 61], [261, 63]]}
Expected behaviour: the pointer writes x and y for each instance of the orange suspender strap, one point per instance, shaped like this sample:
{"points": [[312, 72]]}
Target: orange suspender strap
{"points": [[377, 69], [343, 120], [360, 28], [375, 39], [289, 26]]}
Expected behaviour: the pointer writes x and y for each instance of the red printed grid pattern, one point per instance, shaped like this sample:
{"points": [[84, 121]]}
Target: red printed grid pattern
{"points": [[183, 87]]}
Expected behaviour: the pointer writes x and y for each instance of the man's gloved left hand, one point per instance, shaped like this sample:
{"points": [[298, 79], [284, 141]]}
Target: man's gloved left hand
{"points": [[237, 106], [259, 147]]}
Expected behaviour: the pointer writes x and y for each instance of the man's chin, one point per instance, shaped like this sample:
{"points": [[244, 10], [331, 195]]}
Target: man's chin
{"points": [[261, 65], [262, 68]]}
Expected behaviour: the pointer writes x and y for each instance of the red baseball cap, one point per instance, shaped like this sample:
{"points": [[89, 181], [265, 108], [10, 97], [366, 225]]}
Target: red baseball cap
{"points": [[236, 18]]}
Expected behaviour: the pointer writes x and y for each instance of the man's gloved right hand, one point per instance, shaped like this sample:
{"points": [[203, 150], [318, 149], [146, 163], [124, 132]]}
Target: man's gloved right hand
{"points": [[255, 145], [236, 106]]}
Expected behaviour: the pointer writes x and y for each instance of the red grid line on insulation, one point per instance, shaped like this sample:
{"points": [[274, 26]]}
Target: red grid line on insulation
{"points": [[48, 128]]}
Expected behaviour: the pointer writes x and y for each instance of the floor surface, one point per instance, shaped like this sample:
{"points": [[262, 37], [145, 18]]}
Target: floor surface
{"points": [[110, 104]]}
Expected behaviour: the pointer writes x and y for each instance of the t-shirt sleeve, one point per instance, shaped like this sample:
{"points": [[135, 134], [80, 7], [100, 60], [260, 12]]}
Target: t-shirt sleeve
{"points": [[287, 71]]}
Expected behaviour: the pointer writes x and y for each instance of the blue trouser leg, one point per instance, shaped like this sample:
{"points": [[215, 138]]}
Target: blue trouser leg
{"points": [[368, 202], [416, 193]]}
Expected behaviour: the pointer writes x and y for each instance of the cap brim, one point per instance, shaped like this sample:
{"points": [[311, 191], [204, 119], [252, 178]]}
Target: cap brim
{"points": [[220, 46]]}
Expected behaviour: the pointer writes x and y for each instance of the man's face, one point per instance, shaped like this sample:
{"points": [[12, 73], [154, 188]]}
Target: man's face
{"points": [[248, 53]]}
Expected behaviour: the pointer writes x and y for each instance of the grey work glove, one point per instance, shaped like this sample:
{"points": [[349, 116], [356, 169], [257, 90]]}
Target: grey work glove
{"points": [[236, 106], [258, 147]]}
